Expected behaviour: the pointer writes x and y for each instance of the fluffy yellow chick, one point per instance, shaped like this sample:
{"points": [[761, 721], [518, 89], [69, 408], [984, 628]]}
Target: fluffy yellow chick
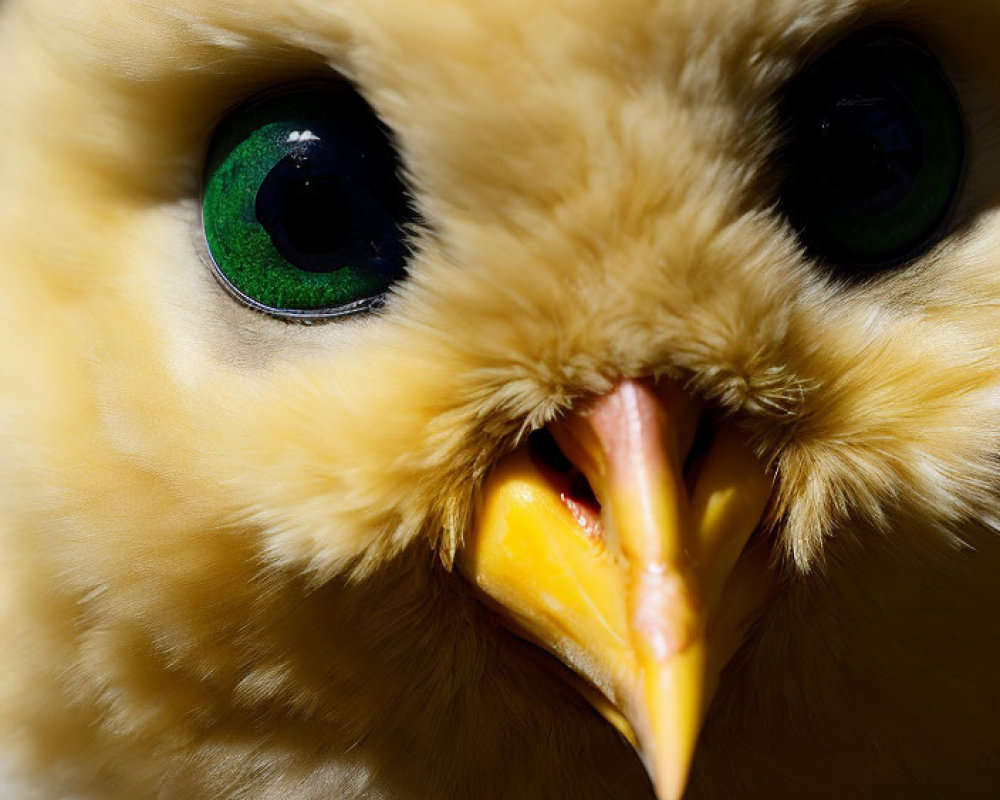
{"points": [[360, 356]]}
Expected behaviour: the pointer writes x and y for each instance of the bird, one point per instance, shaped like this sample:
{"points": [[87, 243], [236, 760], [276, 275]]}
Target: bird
{"points": [[501, 400]]}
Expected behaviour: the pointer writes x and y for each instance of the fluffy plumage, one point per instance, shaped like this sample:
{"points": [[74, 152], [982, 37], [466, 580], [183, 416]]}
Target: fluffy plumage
{"points": [[225, 538]]}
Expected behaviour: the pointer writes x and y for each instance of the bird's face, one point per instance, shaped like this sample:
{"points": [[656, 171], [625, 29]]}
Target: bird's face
{"points": [[599, 231]]}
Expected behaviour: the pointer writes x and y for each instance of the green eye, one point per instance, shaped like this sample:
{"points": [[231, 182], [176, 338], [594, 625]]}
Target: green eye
{"points": [[876, 153], [303, 208]]}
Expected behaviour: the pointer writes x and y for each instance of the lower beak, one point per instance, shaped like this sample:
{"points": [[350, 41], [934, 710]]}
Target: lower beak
{"points": [[622, 549]]}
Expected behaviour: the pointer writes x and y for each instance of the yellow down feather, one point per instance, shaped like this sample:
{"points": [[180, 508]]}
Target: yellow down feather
{"points": [[225, 539]]}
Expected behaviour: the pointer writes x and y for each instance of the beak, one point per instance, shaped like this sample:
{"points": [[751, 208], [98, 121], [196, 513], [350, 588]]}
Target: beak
{"points": [[621, 546]]}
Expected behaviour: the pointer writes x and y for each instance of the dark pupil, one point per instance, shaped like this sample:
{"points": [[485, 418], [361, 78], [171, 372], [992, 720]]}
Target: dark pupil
{"points": [[305, 207], [870, 147], [315, 213]]}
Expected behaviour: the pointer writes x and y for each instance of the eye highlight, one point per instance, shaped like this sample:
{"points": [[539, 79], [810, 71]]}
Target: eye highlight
{"points": [[303, 210], [875, 155]]}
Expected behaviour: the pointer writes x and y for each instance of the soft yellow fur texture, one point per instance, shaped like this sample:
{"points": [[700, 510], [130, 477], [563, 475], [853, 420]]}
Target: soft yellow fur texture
{"points": [[224, 539]]}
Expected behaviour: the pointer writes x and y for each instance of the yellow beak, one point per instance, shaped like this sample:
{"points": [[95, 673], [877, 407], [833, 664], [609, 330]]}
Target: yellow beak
{"points": [[625, 554]]}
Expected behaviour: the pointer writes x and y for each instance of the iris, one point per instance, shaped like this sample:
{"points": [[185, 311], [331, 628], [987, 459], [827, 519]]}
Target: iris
{"points": [[303, 209]]}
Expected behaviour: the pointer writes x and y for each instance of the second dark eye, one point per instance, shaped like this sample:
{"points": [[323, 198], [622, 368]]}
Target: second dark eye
{"points": [[875, 154]]}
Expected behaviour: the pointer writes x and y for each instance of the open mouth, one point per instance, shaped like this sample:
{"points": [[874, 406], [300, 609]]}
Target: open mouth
{"points": [[568, 481], [574, 489]]}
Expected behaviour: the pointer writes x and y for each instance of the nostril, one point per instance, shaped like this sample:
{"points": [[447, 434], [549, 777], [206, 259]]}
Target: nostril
{"points": [[568, 480]]}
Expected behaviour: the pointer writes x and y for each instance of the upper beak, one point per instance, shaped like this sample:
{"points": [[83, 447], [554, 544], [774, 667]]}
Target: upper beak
{"points": [[625, 554]]}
